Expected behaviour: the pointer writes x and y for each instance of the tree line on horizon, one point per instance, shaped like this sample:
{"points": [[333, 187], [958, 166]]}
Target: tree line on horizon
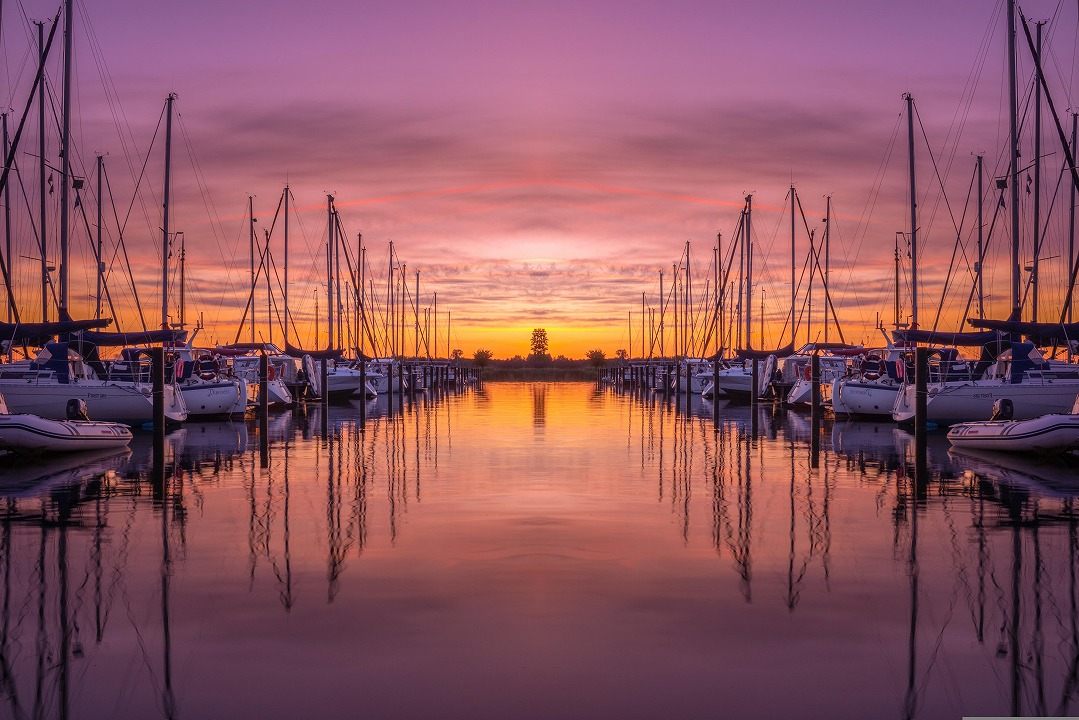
{"points": [[540, 356]]}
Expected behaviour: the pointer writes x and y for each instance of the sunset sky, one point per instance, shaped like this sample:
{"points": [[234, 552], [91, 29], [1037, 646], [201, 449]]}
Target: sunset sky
{"points": [[538, 163]]}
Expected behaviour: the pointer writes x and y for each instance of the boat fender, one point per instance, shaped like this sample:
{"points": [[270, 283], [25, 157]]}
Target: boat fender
{"points": [[270, 374]]}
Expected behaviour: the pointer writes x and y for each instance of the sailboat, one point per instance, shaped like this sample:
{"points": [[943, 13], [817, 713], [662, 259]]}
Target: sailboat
{"points": [[61, 371], [342, 382], [1019, 372]]}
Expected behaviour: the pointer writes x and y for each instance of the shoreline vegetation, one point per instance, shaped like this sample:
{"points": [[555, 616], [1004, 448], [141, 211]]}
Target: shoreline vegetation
{"points": [[538, 374], [539, 366]]}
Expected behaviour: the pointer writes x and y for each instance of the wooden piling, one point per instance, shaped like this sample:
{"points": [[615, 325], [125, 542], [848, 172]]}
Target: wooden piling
{"points": [[157, 375]]}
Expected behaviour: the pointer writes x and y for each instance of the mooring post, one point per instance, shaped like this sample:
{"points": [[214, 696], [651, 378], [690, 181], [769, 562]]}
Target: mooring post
{"points": [[715, 394], [157, 375], [264, 382], [921, 385], [363, 392], [815, 411]]}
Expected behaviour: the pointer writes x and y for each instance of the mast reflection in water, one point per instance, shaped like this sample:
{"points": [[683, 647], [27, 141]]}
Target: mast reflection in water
{"points": [[538, 551]]}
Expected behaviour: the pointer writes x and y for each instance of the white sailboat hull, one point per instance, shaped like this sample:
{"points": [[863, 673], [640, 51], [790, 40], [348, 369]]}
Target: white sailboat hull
{"points": [[973, 401], [105, 400], [214, 397], [864, 398]]}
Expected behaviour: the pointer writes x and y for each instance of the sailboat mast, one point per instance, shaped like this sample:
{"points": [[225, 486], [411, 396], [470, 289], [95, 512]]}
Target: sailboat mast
{"points": [[674, 298], [337, 277], [794, 289], [1071, 205], [165, 224], [269, 297], [416, 313], [391, 326], [65, 163], [100, 262], [1013, 166], [329, 271], [287, 198], [7, 229], [717, 296], [1037, 177], [827, 257], [662, 315], [643, 331], [981, 239], [749, 271], [363, 305], [41, 175], [913, 216], [251, 253], [183, 280]]}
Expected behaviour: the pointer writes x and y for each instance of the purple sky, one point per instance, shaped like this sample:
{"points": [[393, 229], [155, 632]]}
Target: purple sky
{"points": [[540, 163]]}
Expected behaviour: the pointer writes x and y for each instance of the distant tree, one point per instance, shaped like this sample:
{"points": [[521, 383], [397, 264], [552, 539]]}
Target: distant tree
{"points": [[457, 353], [539, 345], [622, 355], [597, 358], [482, 357]]}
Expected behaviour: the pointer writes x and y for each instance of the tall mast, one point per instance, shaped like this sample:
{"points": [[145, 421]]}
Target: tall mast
{"points": [[794, 289], [662, 315], [165, 224], [827, 258], [363, 305], [100, 262], [416, 312], [391, 325], [1037, 177], [251, 244], [687, 333], [65, 163], [287, 198], [717, 296], [337, 276], [674, 298], [643, 351], [895, 300], [434, 335], [981, 239], [41, 175], [7, 227], [183, 280], [748, 244], [269, 289], [329, 272], [1013, 167], [913, 216], [1071, 205]]}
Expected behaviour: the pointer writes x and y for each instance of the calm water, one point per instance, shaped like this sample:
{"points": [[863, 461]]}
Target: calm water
{"points": [[538, 551]]}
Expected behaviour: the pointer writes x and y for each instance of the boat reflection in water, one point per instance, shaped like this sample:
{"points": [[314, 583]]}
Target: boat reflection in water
{"points": [[538, 551]]}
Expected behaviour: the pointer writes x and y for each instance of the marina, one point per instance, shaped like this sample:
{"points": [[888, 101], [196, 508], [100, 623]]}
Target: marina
{"points": [[539, 550], [539, 360]]}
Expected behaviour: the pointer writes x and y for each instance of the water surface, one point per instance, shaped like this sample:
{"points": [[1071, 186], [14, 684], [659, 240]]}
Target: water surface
{"points": [[537, 551]]}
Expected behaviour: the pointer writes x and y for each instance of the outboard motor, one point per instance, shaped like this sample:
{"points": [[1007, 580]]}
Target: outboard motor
{"points": [[76, 409], [1003, 409]]}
